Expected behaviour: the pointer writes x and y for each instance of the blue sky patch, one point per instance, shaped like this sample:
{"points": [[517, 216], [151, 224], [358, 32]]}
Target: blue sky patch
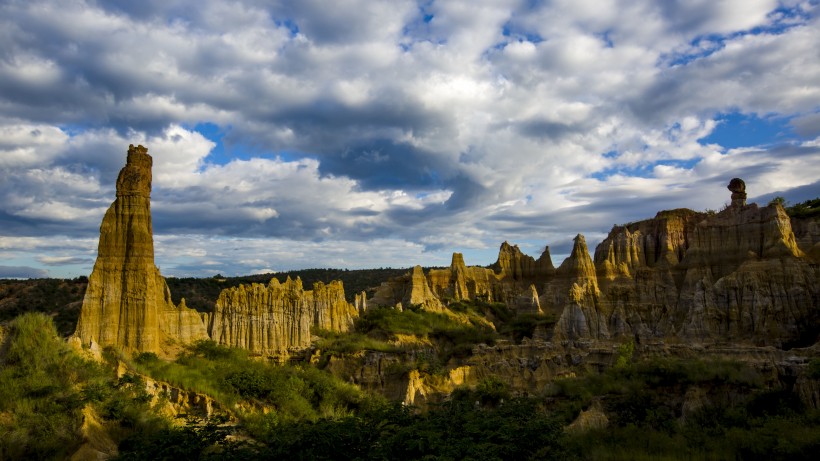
{"points": [[745, 130], [641, 171]]}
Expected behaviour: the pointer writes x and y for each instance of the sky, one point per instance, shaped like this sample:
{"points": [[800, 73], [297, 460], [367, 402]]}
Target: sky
{"points": [[369, 133]]}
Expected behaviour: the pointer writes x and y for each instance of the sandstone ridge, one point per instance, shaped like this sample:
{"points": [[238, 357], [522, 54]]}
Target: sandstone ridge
{"points": [[738, 276], [275, 319]]}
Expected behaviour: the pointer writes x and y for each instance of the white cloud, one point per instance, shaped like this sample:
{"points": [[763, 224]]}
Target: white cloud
{"points": [[440, 125]]}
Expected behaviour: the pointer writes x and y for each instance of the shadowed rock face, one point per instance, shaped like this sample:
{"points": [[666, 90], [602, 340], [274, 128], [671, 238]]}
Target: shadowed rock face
{"points": [[127, 303]]}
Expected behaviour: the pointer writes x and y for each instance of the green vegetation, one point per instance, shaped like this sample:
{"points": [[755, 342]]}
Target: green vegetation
{"points": [[808, 209], [735, 417], [333, 342], [732, 413], [657, 408], [457, 429], [45, 388], [453, 336], [230, 376], [56, 297]]}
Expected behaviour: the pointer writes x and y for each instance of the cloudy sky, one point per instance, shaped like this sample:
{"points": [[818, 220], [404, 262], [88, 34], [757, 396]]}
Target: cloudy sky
{"points": [[367, 133]]}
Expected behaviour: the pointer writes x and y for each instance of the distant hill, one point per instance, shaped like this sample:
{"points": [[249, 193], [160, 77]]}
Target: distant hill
{"points": [[60, 299]]}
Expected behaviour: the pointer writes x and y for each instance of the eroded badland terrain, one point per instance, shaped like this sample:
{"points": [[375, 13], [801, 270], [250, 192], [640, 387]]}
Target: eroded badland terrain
{"points": [[687, 335]]}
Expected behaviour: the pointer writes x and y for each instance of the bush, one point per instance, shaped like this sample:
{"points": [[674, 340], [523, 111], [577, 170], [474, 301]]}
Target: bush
{"points": [[44, 387]]}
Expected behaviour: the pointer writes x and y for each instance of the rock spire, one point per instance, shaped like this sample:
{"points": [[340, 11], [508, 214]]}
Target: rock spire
{"points": [[127, 303]]}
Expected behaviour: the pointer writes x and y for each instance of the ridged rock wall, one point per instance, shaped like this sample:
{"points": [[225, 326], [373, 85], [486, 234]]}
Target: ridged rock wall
{"points": [[737, 276], [515, 265], [127, 303], [460, 282], [411, 289], [513, 279], [276, 318], [807, 234]]}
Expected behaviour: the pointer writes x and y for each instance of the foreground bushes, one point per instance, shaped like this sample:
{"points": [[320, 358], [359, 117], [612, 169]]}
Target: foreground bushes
{"points": [[232, 377], [44, 387], [735, 413]]}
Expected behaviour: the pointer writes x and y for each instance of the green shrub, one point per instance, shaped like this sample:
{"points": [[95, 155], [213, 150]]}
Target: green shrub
{"points": [[44, 387]]}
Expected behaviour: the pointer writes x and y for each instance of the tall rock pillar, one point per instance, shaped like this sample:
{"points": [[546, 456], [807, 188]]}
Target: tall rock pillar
{"points": [[127, 303]]}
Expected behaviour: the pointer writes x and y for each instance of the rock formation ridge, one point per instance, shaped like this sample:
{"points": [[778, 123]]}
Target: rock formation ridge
{"points": [[276, 318], [128, 304], [741, 275]]}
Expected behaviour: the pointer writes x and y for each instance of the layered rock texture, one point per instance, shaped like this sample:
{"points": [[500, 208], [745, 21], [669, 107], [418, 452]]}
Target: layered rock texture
{"points": [[273, 319], [512, 280], [747, 275], [736, 276], [739, 276], [127, 303]]}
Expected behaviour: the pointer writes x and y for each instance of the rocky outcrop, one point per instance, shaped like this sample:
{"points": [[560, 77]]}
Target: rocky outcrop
{"points": [[462, 282], [527, 302], [735, 276], [589, 419], [127, 303], [575, 296], [512, 279], [409, 290], [807, 235], [273, 319], [418, 292], [515, 265]]}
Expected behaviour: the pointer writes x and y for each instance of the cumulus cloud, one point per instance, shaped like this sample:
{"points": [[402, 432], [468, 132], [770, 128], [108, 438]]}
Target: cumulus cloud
{"points": [[419, 128]]}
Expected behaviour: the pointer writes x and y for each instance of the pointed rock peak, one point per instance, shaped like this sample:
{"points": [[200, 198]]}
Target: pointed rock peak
{"points": [[295, 284], [127, 303], [135, 177], [418, 271], [579, 263], [545, 258], [580, 246]]}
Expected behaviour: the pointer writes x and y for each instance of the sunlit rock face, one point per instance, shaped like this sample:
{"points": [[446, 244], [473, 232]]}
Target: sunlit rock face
{"points": [[515, 265], [736, 276], [127, 303], [275, 319]]}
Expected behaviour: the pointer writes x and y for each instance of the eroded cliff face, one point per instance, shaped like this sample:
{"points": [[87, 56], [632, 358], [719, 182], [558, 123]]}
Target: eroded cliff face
{"points": [[515, 265], [736, 276], [462, 282], [513, 280], [127, 303], [573, 296], [275, 319], [409, 290]]}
